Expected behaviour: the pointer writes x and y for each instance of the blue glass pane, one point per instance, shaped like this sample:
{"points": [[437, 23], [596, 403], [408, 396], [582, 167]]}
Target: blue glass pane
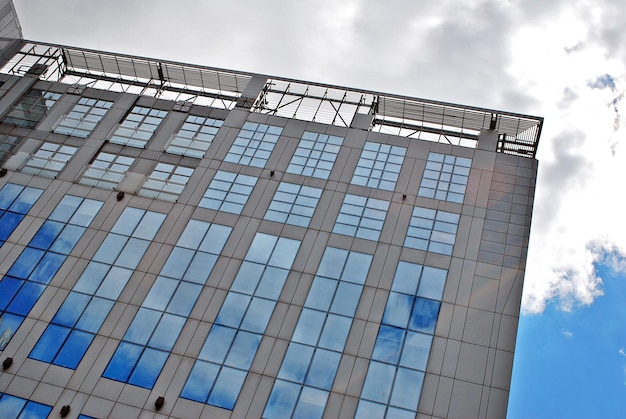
{"points": [[416, 351], [296, 362], [34, 410], [8, 222], [282, 400], [67, 239], [200, 381], [215, 239], [26, 298], [377, 386], [8, 288], [94, 315], [233, 309], [406, 278], [258, 315], [424, 316], [148, 368], [114, 282], [335, 332], [357, 267], [49, 343], [346, 299], [91, 278], [167, 332], [132, 253], [200, 268], [128, 221], [285, 253], [142, 326], [66, 208], [332, 263], [312, 403], [86, 212], [149, 225], [177, 263], [323, 369], [309, 326], [75, 347], [396, 413], [217, 343], [11, 406], [8, 193], [123, 361], [432, 283], [71, 309], [47, 233], [321, 293], [370, 410], [388, 344], [248, 277], [261, 248], [110, 248], [243, 350], [9, 325], [227, 387], [47, 268], [407, 388], [398, 309], [160, 293], [25, 263], [184, 299]]}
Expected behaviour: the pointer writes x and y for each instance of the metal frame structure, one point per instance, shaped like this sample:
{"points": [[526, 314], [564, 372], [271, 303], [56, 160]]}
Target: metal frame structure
{"points": [[399, 115]]}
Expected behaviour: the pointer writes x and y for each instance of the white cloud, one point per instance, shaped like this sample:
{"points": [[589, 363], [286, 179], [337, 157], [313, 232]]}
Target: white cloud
{"points": [[537, 57], [567, 333], [621, 352]]}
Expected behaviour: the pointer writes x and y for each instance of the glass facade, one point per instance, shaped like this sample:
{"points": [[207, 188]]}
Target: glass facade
{"points": [[254, 265], [39, 262]]}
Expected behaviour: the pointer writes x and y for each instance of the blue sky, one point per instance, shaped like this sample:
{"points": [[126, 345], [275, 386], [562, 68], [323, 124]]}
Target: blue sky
{"points": [[564, 60]]}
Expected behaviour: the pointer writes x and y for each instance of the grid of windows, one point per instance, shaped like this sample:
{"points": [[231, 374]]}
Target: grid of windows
{"points": [[49, 160], [7, 145], [16, 407], [223, 363], [361, 217], [31, 108], [293, 204], [33, 270], [73, 327], [432, 230], [194, 137], [254, 144], [445, 177], [83, 118], [142, 353], [315, 155], [138, 126], [379, 166], [310, 365], [15, 202], [396, 370], [166, 182], [106, 171], [228, 192]]}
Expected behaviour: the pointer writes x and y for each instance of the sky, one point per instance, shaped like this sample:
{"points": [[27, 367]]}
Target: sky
{"points": [[564, 60]]}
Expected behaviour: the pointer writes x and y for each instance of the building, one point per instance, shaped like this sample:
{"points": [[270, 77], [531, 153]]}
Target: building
{"points": [[184, 241]]}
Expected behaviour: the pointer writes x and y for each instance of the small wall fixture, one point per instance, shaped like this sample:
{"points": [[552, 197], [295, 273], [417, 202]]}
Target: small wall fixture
{"points": [[6, 364], [158, 404], [120, 196], [272, 173], [65, 410], [3, 172], [403, 196]]}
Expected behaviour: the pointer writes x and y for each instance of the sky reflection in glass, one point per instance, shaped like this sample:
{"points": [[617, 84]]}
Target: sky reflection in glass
{"points": [[39, 261], [15, 202], [232, 343]]}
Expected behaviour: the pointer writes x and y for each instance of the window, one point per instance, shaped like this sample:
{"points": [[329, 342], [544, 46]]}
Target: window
{"points": [[194, 137], [15, 202], [31, 108], [73, 327], [379, 166], [166, 182], [39, 262], [431, 230], [293, 204], [218, 375], [445, 177], [315, 155], [7, 145], [16, 407], [49, 160], [83, 118], [142, 353], [253, 144], [106, 171], [138, 127], [361, 217], [396, 371], [228, 192], [310, 365]]}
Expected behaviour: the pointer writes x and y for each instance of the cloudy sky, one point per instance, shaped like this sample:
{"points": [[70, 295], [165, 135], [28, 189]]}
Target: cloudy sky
{"points": [[563, 60]]}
